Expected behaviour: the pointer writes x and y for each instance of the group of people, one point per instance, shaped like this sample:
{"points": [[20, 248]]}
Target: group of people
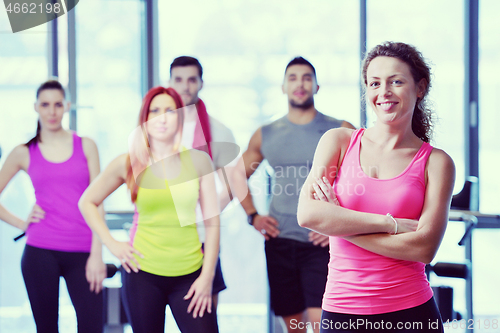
{"points": [[346, 242]]}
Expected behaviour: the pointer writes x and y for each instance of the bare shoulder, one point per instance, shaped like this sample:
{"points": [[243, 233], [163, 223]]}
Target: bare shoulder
{"points": [[89, 147], [347, 124], [257, 134], [337, 136], [199, 155], [120, 160], [88, 143], [18, 159], [118, 166], [440, 169], [440, 160], [256, 140], [20, 156], [202, 161], [332, 147], [20, 151]]}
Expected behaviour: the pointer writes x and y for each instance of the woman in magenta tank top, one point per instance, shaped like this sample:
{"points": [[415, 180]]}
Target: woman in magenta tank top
{"points": [[59, 243], [388, 208], [163, 263]]}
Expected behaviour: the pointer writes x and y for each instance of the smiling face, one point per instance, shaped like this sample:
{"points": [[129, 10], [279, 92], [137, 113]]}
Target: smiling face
{"points": [[300, 86], [187, 82], [162, 122], [391, 90], [51, 106]]}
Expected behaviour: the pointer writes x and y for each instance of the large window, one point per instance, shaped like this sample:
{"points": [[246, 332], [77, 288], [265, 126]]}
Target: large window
{"points": [[489, 117], [486, 291], [23, 67], [440, 39], [109, 79]]}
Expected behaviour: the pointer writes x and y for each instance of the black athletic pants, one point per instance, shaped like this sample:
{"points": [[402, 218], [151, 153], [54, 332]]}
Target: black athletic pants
{"points": [[42, 270], [422, 318], [146, 296]]}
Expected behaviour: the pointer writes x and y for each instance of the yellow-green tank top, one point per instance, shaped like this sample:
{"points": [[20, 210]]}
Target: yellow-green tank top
{"points": [[164, 229]]}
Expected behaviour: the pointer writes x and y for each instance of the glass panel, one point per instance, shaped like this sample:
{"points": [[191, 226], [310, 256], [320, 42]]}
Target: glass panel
{"points": [[108, 79], [23, 67], [486, 291], [444, 48], [486, 272], [489, 117]]}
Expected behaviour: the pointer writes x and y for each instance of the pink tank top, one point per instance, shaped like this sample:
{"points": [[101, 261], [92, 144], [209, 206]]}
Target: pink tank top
{"points": [[362, 282], [58, 187]]}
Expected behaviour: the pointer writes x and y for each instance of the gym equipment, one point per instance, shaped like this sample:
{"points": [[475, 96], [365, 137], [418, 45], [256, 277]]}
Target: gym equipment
{"points": [[114, 313], [465, 200]]}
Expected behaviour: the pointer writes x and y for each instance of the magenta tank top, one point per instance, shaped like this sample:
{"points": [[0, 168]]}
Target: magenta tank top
{"points": [[363, 282], [58, 187]]}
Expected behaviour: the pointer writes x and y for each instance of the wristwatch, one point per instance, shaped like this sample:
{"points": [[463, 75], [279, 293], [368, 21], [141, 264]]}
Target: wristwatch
{"points": [[250, 218]]}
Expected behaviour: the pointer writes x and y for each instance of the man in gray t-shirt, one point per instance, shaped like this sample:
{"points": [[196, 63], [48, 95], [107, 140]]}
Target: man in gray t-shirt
{"points": [[297, 258]]}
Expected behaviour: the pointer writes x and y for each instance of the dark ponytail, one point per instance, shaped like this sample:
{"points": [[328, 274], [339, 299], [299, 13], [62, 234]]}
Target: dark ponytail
{"points": [[50, 84], [36, 138]]}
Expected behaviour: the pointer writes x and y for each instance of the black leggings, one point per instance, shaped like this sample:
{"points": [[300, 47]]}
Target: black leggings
{"points": [[146, 296], [422, 318], [42, 270]]}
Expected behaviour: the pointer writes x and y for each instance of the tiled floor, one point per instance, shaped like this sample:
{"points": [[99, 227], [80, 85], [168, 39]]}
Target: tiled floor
{"points": [[233, 318]]}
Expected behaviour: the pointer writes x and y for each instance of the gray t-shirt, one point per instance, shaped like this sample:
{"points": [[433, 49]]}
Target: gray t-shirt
{"points": [[289, 148]]}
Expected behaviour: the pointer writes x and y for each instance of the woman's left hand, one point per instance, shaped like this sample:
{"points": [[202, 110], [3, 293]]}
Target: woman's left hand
{"points": [[322, 190], [201, 294], [95, 272]]}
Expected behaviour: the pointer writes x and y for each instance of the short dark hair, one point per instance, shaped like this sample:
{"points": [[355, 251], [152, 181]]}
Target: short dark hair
{"points": [[184, 61], [422, 121], [300, 61]]}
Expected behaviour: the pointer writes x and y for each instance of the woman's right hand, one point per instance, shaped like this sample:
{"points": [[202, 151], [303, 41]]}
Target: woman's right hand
{"points": [[322, 190], [125, 252], [36, 214], [201, 296]]}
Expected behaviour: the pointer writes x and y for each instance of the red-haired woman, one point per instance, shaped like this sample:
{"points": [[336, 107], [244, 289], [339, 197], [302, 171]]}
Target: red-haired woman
{"points": [[164, 252], [59, 242]]}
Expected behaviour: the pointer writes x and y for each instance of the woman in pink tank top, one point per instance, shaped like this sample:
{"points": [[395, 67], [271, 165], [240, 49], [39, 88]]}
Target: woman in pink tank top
{"points": [[388, 208], [59, 243]]}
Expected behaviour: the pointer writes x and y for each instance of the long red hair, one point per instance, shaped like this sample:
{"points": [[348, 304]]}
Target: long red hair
{"points": [[139, 159]]}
